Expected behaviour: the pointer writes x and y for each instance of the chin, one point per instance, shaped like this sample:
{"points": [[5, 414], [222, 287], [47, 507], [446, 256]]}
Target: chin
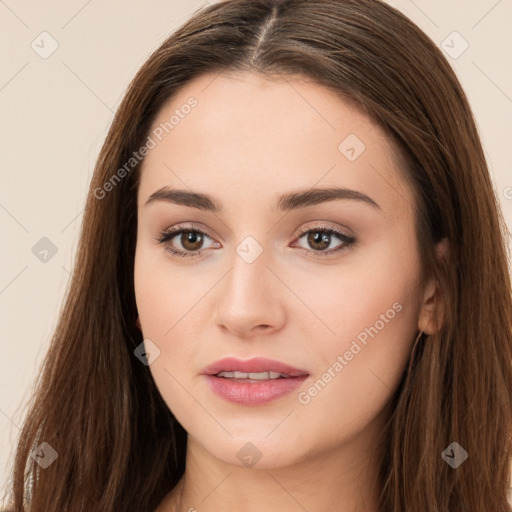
{"points": [[255, 451]]}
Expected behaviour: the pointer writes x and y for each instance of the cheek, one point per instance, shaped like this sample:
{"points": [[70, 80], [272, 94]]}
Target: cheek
{"points": [[373, 312], [171, 306], [366, 290], [165, 303], [163, 293]]}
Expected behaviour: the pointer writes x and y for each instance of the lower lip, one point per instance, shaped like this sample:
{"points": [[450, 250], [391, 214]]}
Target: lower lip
{"points": [[253, 393]]}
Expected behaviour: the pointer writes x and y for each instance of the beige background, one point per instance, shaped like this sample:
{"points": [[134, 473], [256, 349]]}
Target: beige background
{"points": [[55, 113]]}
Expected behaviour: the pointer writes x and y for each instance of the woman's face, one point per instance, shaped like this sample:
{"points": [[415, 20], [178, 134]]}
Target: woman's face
{"points": [[265, 278]]}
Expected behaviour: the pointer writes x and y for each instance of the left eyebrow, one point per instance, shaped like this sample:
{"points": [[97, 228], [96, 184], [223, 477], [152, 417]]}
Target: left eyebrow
{"points": [[290, 201], [314, 196]]}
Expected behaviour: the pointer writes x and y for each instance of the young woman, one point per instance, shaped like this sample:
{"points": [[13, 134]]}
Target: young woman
{"points": [[291, 290]]}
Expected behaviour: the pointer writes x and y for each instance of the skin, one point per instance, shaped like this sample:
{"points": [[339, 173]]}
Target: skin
{"points": [[248, 141]]}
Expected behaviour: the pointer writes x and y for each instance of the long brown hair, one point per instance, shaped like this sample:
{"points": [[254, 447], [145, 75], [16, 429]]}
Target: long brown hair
{"points": [[119, 447]]}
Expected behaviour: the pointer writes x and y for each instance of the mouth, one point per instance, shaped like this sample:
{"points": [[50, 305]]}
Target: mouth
{"points": [[253, 376], [253, 382], [257, 368]]}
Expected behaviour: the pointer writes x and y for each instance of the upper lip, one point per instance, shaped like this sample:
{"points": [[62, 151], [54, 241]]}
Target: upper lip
{"points": [[255, 365]]}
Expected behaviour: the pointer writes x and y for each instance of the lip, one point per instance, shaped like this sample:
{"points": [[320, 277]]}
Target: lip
{"points": [[254, 365], [253, 393]]}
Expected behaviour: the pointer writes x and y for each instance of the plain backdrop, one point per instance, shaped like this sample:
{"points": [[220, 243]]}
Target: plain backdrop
{"points": [[64, 69]]}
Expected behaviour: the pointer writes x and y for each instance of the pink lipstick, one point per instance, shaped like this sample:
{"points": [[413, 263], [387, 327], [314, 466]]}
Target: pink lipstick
{"points": [[252, 382]]}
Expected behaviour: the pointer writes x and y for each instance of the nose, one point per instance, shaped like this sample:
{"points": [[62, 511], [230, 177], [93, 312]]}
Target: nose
{"points": [[251, 300]]}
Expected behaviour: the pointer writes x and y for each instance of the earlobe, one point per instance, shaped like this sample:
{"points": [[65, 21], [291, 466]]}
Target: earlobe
{"points": [[137, 323], [443, 249], [432, 312], [431, 315]]}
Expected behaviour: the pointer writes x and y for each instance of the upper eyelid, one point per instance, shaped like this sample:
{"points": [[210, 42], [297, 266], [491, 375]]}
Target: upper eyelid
{"points": [[320, 225], [180, 228]]}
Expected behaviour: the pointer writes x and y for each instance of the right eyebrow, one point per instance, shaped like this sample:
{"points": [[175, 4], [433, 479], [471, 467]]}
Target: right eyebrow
{"points": [[185, 198]]}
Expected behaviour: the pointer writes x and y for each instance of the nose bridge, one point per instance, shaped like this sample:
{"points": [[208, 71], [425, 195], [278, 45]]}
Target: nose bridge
{"points": [[248, 279], [250, 297]]}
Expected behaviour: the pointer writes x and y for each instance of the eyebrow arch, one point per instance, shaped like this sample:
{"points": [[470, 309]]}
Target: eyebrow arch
{"points": [[315, 196], [290, 201]]}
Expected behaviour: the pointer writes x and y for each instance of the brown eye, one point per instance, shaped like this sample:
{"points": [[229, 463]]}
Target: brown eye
{"points": [[180, 241], [191, 240], [320, 239]]}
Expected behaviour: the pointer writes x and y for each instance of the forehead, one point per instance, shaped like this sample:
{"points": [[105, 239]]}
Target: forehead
{"points": [[248, 137]]}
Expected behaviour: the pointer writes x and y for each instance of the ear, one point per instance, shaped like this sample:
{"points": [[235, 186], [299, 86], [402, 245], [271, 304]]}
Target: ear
{"points": [[432, 310]]}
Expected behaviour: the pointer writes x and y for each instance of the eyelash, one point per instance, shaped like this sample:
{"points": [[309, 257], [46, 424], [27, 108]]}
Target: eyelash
{"points": [[169, 234]]}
